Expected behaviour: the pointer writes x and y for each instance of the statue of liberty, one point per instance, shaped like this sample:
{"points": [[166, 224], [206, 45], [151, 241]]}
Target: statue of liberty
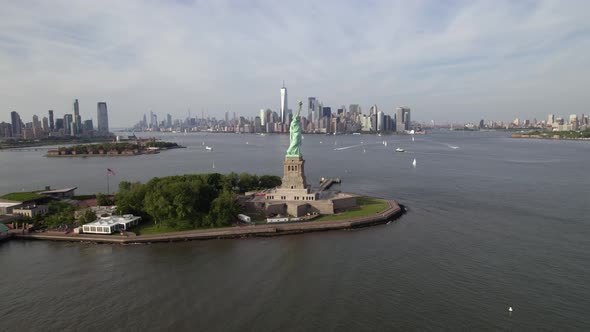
{"points": [[295, 135]]}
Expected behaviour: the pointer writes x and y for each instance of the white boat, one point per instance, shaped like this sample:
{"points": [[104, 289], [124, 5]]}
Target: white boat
{"points": [[385, 143], [412, 138], [399, 150], [414, 162], [208, 148]]}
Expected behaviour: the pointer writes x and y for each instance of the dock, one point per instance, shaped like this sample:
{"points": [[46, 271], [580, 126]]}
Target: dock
{"points": [[327, 183]]}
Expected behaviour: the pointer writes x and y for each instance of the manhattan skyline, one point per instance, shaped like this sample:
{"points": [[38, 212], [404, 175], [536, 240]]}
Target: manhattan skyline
{"points": [[454, 61]]}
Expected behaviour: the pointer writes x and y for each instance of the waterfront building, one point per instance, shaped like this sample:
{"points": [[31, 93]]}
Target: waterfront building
{"points": [[17, 124], [64, 193], [6, 206], [59, 124], [402, 119], [77, 120], [30, 210], [168, 120], [380, 121], [263, 117], [102, 118], [45, 124], [5, 130], [111, 224], [68, 124], [51, 123], [88, 126], [284, 104]]}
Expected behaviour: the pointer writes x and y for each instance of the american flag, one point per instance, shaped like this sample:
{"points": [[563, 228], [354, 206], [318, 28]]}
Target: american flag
{"points": [[110, 171]]}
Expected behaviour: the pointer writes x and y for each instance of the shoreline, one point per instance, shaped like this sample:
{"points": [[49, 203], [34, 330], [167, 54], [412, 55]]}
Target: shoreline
{"points": [[113, 155], [392, 212], [535, 136]]}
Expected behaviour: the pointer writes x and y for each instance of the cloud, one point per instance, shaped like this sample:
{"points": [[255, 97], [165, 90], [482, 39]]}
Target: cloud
{"points": [[448, 60]]}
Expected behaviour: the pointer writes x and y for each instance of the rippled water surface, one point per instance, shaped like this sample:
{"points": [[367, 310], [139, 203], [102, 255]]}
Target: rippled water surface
{"points": [[492, 222]]}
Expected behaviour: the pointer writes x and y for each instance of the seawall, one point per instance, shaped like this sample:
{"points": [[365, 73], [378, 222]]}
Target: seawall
{"points": [[393, 211]]}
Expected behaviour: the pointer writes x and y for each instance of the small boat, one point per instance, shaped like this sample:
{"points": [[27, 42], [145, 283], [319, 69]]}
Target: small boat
{"points": [[399, 150], [385, 143], [208, 148], [509, 309], [414, 162], [412, 138]]}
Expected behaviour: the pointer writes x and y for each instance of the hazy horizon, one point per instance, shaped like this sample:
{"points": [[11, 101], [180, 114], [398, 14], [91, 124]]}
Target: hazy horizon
{"points": [[448, 61]]}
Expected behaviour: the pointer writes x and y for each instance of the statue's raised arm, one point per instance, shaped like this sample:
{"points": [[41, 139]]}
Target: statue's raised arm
{"points": [[295, 135]]}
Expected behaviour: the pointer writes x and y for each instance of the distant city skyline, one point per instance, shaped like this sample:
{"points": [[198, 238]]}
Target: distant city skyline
{"points": [[449, 61]]}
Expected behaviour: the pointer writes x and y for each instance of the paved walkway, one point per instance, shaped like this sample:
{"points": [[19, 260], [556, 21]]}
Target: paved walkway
{"points": [[393, 210]]}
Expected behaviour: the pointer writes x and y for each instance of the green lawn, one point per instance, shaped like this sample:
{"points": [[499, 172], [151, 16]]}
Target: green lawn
{"points": [[367, 206], [148, 228], [22, 197]]}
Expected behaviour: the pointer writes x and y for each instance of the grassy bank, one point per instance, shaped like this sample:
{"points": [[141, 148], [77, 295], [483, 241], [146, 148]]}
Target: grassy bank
{"points": [[367, 206], [149, 228]]}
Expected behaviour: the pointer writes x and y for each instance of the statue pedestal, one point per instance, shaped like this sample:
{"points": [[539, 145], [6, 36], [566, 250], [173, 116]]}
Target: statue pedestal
{"points": [[293, 173]]}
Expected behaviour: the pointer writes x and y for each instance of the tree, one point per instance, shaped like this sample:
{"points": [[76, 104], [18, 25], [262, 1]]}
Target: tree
{"points": [[230, 181], [103, 200], [86, 217], [248, 182], [270, 181], [223, 209]]}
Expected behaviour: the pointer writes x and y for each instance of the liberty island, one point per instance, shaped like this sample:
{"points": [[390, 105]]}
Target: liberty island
{"points": [[294, 200]]}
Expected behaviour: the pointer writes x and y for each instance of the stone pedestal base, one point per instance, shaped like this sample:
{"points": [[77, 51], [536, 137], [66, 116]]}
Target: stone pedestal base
{"points": [[293, 174]]}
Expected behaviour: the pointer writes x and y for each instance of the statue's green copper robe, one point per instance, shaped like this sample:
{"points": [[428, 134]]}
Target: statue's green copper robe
{"points": [[295, 135]]}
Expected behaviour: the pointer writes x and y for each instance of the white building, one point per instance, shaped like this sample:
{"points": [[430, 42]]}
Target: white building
{"points": [[111, 224]]}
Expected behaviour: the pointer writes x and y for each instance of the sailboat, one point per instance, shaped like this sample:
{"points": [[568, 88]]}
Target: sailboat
{"points": [[385, 143], [414, 162], [213, 165], [412, 138]]}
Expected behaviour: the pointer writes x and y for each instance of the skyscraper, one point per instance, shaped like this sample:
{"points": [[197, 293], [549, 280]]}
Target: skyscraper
{"points": [[284, 105], [102, 118], [68, 124], [51, 123], [45, 122], [402, 119], [550, 119], [77, 126], [168, 120], [17, 124], [380, 121]]}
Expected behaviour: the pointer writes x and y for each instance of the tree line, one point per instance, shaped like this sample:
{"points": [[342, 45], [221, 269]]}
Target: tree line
{"points": [[190, 201]]}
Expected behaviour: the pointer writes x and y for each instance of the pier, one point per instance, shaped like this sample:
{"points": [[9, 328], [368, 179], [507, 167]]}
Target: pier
{"points": [[325, 184]]}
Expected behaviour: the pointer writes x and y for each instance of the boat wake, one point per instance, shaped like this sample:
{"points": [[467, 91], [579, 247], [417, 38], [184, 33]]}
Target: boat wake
{"points": [[348, 147]]}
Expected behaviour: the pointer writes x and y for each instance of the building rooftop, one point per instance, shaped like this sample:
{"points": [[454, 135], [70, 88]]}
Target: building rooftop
{"points": [[6, 203], [23, 196], [113, 220], [58, 191]]}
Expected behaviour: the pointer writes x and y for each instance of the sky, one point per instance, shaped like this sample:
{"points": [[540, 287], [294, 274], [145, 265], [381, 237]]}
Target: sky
{"points": [[447, 60]]}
